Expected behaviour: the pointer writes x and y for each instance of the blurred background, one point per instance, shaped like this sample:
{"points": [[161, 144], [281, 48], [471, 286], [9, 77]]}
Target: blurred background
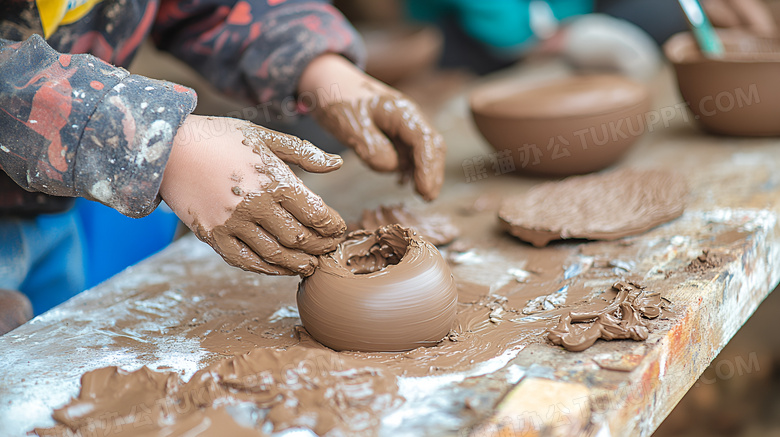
{"points": [[432, 50]]}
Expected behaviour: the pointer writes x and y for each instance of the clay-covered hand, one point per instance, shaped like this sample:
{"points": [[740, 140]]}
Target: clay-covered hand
{"points": [[385, 128], [752, 15], [226, 181]]}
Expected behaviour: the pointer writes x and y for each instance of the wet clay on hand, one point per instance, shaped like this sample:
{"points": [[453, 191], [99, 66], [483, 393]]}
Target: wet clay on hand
{"points": [[385, 291], [389, 132], [596, 207], [437, 229], [280, 228], [624, 318]]}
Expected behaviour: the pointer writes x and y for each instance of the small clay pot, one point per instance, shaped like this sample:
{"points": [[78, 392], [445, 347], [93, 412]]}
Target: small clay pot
{"points": [[738, 94], [562, 127], [383, 291], [399, 52]]}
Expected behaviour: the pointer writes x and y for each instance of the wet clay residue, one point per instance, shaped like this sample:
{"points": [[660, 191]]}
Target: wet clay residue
{"points": [[707, 261], [597, 207], [268, 223], [437, 229], [390, 134], [112, 391], [388, 290], [624, 318], [217, 312], [311, 388]]}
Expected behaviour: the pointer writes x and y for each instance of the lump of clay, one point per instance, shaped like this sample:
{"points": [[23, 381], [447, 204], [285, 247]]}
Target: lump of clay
{"points": [[624, 318], [595, 207], [437, 229], [383, 291]]}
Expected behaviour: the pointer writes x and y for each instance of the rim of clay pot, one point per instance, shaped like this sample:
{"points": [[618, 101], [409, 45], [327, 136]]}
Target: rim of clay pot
{"points": [[477, 107], [673, 49], [411, 244]]}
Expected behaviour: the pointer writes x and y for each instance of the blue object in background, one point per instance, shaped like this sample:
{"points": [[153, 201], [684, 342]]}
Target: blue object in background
{"points": [[112, 241], [42, 257], [705, 35], [52, 257], [502, 25]]}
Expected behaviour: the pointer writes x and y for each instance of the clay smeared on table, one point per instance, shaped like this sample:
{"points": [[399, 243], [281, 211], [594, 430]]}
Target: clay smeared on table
{"points": [[272, 370], [321, 391]]}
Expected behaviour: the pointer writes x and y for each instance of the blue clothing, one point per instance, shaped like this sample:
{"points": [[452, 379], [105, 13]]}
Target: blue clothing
{"points": [[42, 257], [113, 241], [52, 257], [503, 25]]}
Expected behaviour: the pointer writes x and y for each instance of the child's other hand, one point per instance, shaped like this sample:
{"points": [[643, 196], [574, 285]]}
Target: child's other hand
{"points": [[752, 15], [384, 127], [226, 181]]}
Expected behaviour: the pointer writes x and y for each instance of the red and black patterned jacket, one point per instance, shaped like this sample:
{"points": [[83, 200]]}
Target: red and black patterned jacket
{"points": [[75, 125]]}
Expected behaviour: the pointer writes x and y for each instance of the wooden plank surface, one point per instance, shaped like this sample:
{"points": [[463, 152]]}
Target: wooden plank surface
{"points": [[529, 386]]}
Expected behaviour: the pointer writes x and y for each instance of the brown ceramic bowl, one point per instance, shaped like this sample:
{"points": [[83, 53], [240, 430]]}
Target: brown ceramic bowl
{"points": [[401, 51], [736, 95], [562, 127]]}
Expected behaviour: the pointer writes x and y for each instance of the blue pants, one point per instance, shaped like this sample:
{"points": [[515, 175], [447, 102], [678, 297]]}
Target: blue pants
{"points": [[51, 258], [114, 241], [42, 257]]}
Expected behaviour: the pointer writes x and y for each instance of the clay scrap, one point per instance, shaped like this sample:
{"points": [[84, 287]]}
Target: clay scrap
{"points": [[605, 206], [301, 387], [624, 318], [707, 261], [437, 229]]}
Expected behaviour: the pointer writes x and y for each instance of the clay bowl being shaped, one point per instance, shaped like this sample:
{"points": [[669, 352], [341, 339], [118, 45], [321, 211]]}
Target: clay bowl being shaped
{"points": [[738, 94], [399, 52], [383, 291], [562, 127]]}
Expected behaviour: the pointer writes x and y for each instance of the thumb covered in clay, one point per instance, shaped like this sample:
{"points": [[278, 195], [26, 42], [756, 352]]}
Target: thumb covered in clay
{"points": [[226, 180]]}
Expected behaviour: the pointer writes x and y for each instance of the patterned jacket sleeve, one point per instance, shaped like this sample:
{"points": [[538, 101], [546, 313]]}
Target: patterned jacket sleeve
{"points": [[255, 49], [73, 125]]}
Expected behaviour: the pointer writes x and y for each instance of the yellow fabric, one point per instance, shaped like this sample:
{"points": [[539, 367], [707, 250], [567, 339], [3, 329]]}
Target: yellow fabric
{"points": [[57, 12]]}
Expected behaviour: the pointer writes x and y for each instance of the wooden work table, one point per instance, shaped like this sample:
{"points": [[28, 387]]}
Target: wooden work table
{"points": [[620, 388]]}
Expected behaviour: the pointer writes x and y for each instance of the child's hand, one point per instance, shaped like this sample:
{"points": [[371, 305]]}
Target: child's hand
{"points": [[226, 181], [752, 15], [384, 127]]}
